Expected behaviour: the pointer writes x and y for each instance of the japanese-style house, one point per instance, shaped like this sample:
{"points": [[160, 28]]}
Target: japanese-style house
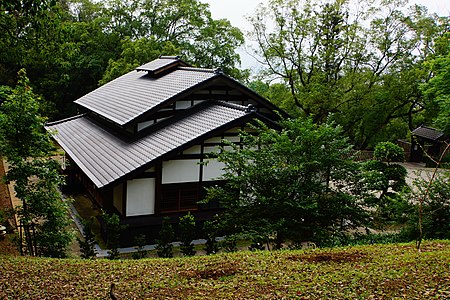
{"points": [[138, 148]]}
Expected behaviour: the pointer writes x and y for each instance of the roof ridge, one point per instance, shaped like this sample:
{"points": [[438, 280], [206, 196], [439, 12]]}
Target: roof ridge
{"points": [[169, 57], [195, 69], [65, 120], [231, 105]]}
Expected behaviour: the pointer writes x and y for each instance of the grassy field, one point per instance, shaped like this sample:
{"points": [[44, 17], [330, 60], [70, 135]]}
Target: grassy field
{"points": [[363, 272]]}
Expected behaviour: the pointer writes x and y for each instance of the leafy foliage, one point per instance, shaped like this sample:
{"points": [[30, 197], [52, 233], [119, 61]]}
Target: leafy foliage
{"points": [[69, 46], [293, 184], [436, 208], [166, 237], [384, 183], [389, 152], [362, 64], [187, 234], [87, 243], [210, 228], [437, 90], [27, 148], [113, 231], [140, 241], [363, 272]]}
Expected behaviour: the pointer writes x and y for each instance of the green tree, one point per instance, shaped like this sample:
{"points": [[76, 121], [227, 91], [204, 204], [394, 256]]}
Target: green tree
{"points": [[293, 184], [187, 234], [27, 148], [364, 65], [437, 90], [166, 236]]}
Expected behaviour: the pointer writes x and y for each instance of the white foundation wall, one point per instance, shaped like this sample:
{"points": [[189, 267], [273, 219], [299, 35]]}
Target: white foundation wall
{"points": [[178, 171], [140, 197]]}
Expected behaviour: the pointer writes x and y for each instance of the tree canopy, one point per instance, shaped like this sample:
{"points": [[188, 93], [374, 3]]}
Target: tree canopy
{"points": [[361, 62], [296, 184], [69, 47]]}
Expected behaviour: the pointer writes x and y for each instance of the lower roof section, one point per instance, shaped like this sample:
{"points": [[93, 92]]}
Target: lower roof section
{"points": [[104, 157]]}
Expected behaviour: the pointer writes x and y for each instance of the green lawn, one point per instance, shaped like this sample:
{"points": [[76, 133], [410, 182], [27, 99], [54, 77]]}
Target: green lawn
{"points": [[363, 272]]}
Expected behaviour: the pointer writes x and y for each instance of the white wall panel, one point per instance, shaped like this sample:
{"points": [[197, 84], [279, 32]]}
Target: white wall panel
{"points": [[213, 170], [193, 150], [211, 149], [216, 139], [140, 197], [234, 139], [183, 170]]}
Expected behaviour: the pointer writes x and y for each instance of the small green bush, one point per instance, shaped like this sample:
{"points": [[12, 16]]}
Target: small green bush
{"points": [[187, 234], [140, 241], [166, 237], [389, 152], [88, 242], [113, 230]]}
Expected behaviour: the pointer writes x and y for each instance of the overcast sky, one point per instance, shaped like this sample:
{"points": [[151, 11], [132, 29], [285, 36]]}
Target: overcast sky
{"points": [[237, 10]]}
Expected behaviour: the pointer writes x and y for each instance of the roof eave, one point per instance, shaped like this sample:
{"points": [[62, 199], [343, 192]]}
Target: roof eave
{"points": [[239, 121]]}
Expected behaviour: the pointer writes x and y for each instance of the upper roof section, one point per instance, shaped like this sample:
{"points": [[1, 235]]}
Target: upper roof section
{"points": [[124, 99], [161, 65]]}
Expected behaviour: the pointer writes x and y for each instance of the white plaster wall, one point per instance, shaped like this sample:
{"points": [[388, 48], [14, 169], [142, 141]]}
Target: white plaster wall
{"points": [[211, 149], [183, 170], [216, 139], [234, 139], [140, 197], [193, 150], [213, 170]]}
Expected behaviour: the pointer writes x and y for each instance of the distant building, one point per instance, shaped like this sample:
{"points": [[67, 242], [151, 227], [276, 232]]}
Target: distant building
{"points": [[426, 143], [138, 148]]}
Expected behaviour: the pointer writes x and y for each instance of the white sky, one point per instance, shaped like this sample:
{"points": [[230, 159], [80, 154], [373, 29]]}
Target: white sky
{"points": [[237, 10]]}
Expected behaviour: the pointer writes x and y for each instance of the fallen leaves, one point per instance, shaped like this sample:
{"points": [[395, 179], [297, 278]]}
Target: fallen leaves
{"points": [[365, 272]]}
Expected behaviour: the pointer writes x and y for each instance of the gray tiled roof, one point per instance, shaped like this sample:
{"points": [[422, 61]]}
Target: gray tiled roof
{"points": [[135, 93], [428, 133], [104, 157]]}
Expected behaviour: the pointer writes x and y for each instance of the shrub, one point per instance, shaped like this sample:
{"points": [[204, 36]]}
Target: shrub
{"points": [[140, 241], [113, 231], [88, 242], [187, 234], [389, 152], [211, 229], [436, 209], [166, 236]]}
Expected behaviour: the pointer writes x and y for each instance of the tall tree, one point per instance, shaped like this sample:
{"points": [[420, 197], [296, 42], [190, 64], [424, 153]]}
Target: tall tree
{"points": [[361, 64], [27, 148], [437, 90]]}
